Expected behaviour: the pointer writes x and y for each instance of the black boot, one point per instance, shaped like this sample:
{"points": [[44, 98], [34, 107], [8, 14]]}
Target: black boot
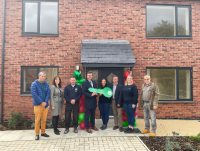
{"points": [[56, 132], [131, 130], [127, 129]]}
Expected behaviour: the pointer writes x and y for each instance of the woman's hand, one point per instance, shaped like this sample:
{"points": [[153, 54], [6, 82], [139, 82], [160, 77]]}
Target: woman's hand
{"points": [[53, 107], [133, 106], [100, 94]]}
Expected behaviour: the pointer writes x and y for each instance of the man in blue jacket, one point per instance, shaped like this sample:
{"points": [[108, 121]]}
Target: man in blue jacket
{"points": [[40, 92], [90, 102]]}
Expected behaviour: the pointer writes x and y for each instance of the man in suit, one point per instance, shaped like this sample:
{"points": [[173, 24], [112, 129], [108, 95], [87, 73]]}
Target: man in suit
{"points": [[117, 104], [90, 102]]}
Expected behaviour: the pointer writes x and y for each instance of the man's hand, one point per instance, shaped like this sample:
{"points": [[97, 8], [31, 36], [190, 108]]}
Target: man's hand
{"points": [[93, 94], [53, 107], [73, 101], [96, 94], [118, 105], [43, 104], [133, 106], [155, 107]]}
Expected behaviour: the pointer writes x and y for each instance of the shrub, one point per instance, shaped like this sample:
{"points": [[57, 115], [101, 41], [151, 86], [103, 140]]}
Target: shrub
{"points": [[195, 137], [33, 125], [48, 123], [63, 119], [170, 145], [17, 119], [188, 146]]}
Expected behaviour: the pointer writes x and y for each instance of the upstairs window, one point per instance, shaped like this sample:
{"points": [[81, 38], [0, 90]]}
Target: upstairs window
{"points": [[168, 20], [40, 17]]}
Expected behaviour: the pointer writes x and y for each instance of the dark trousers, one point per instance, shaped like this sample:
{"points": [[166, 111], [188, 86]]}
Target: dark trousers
{"points": [[104, 110], [68, 109], [130, 114], [55, 122], [87, 114]]}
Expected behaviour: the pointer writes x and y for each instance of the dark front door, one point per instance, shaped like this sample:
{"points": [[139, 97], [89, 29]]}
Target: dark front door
{"points": [[107, 73]]}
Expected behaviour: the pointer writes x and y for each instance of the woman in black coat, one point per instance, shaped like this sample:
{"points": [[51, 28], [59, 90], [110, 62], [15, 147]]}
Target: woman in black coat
{"points": [[130, 100], [104, 106]]}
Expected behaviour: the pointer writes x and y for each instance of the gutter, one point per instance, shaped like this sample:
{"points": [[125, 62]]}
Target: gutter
{"points": [[2, 68]]}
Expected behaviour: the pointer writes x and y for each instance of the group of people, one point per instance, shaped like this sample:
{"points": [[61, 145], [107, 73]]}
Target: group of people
{"points": [[123, 95]]}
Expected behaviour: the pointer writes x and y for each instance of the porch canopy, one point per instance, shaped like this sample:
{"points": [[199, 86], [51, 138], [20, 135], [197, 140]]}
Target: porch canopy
{"points": [[106, 53]]}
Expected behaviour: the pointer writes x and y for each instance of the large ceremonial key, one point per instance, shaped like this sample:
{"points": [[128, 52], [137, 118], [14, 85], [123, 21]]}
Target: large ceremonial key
{"points": [[107, 92]]}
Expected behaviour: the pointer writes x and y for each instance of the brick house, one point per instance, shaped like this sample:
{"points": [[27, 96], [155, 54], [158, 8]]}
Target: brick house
{"points": [[49, 35]]}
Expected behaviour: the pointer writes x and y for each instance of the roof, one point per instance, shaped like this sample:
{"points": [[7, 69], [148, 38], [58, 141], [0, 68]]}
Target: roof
{"points": [[103, 53]]}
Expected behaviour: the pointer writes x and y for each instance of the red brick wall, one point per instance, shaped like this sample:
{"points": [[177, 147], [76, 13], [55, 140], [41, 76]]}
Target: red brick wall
{"points": [[1, 26], [97, 19]]}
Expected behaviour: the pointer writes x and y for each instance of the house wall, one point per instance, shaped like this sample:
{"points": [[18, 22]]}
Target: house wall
{"points": [[1, 26], [97, 19]]}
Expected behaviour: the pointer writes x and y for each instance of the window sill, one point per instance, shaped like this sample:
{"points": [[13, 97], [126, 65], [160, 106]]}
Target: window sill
{"points": [[25, 94], [170, 37], [175, 101], [41, 35]]}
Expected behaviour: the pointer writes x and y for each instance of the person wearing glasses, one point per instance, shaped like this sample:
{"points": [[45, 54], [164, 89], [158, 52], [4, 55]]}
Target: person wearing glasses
{"points": [[149, 102], [90, 102]]}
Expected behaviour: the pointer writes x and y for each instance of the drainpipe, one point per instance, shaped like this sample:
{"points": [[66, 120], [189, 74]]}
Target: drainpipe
{"points": [[2, 68]]}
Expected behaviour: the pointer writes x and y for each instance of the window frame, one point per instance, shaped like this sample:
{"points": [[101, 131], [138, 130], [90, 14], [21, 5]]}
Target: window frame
{"points": [[177, 83], [176, 21], [38, 20], [38, 70]]}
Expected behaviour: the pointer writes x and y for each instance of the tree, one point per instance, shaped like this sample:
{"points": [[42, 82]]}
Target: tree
{"points": [[166, 29]]}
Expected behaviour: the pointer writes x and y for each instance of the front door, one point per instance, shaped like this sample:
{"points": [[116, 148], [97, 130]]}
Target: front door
{"points": [[107, 73]]}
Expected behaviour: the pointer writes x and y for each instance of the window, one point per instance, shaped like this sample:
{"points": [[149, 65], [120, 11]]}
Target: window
{"points": [[174, 83], [168, 20], [40, 17], [30, 74]]}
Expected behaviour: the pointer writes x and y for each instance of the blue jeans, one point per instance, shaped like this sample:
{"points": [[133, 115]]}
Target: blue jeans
{"points": [[104, 111], [130, 114]]}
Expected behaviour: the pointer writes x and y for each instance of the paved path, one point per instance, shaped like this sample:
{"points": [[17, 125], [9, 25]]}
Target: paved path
{"points": [[80, 144], [101, 140], [107, 140], [30, 134]]}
